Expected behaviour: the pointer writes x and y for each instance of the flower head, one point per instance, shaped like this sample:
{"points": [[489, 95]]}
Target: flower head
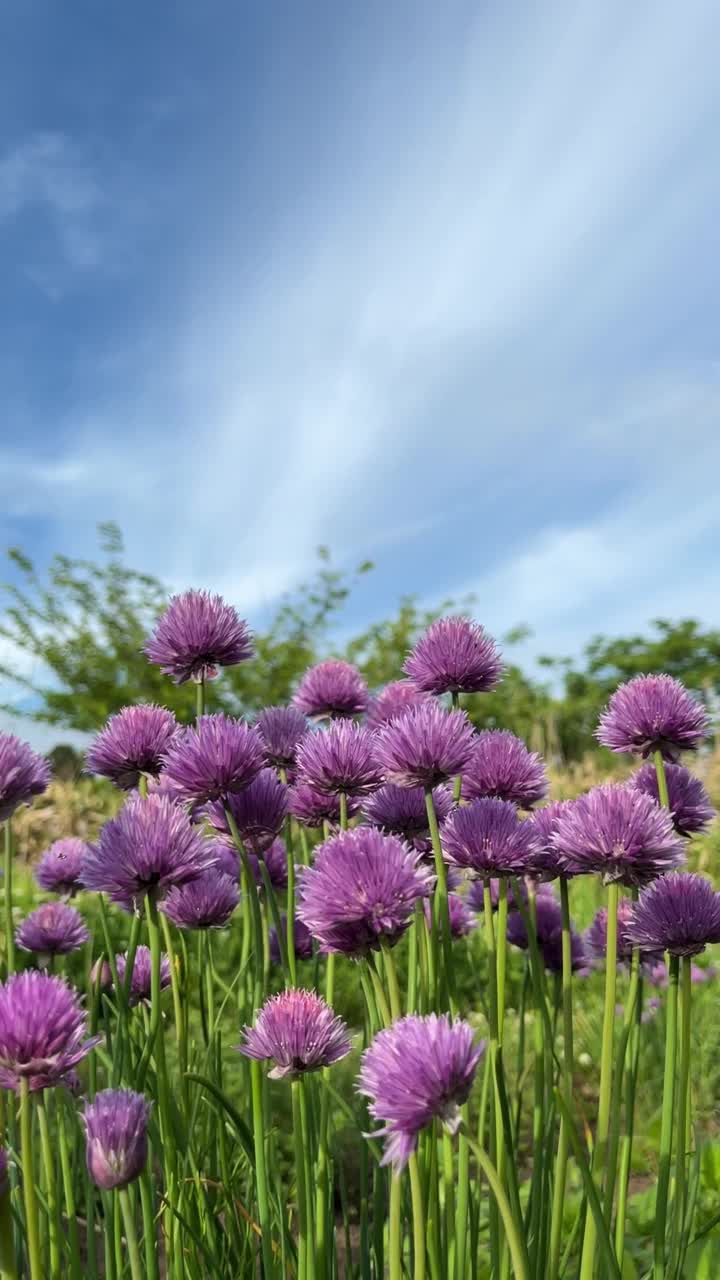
{"points": [[454, 655], [147, 848], [361, 890], [312, 808], [653, 713], [23, 774], [141, 981], [258, 812], [690, 807], [462, 918], [419, 1069], [619, 834], [548, 917], [43, 1030], [282, 729], [340, 759], [402, 811], [197, 633], [58, 870], [679, 913], [299, 1032], [333, 690], [116, 1137], [546, 864], [132, 744], [302, 939], [489, 839], [424, 746], [596, 936], [54, 929], [502, 766], [216, 758], [205, 903], [396, 697]]}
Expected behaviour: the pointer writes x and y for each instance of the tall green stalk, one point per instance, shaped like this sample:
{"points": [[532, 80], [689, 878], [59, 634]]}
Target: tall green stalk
{"points": [[589, 1250], [441, 909], [131, 1239], [200, 698], [48, 1156], [558, 1206], [69, 1193], [666, 1127], [683, 1100], [8, 899], [496, 1135], [631, 1075], [32, 1234], [661, 779]]}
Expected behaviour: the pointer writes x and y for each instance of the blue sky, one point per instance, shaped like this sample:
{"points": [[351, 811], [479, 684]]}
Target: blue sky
{"points": [[434, 284]]}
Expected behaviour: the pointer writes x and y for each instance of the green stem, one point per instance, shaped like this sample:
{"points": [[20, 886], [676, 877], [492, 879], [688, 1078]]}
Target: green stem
{"points": [[200, 698], [343, 812], [501, 952], [589, 1250], [290, 905], [440, 902], [666, 1126], [131, 1239], [69, 1192], [683, 1101], [558, 1206], [252, 894], [414, 940], [661, 779], [418, 1219], [615, 1116], [51, 1185], [178, 1009], [496, 1137], [392, 981], [395, 1228], [29, 1192], [8, 899], [627, 1139], [304, 1244], [8, 1261], [513, 1236], [209, 982], [149, 1237]]}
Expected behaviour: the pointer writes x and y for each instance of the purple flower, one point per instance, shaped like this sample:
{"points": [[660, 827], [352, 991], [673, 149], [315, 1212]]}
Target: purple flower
{"points": [[454, 655], [58, 870], [147, 848], [101, 973], [657, 974], [226, 858], [54, 929], [282, 729], [502, 766], [690, 806], [213, 760], [198, 633], [132, 744], [302, 938], [462, 920], [23, 774], [43, 1031], [299, 1032], [619, 834], [396, 697], [402, 811], [596, 936], [476, 901], [653, 713], [489, 839], [205, 903], [546, 864], [419, 1069], [141, 983], [680, 913], [258, 812], [275, 861], [361, 890], [548, 917], [116, 1134], [424, 746], [312, 808], [332, 689], [340, 759]]}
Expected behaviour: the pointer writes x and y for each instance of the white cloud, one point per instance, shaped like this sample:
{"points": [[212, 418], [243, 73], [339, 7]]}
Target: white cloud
{"points": [[46, 170]]}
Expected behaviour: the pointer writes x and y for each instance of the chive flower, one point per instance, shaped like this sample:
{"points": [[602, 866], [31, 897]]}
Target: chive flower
{"points": [[141, 981], [116, 1124], [596, 936], [282, 730], [425, 746], [196, 635], [502, 766], [454, 655], [544, 822], [619, 834], [313, 808], [653, 713], [392, 701], [43, 1031], [59, 867], [23, 774], [53, 929], [258, 812], [215, 759], [679, 913], [205, 903], [132, 745], [298, 1032], [489, 839], [418, 1070], [361, 891], [462, 918], [548, 930], [341, 759], [302, 939], [332, 690], [690, 807], [402, 811]]}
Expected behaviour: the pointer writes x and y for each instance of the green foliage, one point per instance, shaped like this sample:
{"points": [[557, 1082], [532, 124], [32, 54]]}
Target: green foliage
{"points": [[83, 625]]}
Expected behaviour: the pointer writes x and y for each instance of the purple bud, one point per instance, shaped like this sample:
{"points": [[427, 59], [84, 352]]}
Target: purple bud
{"points": [[116, 1131]]}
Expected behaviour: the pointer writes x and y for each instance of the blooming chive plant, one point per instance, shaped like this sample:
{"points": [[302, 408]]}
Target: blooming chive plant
{"points": [[377, 894]]}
